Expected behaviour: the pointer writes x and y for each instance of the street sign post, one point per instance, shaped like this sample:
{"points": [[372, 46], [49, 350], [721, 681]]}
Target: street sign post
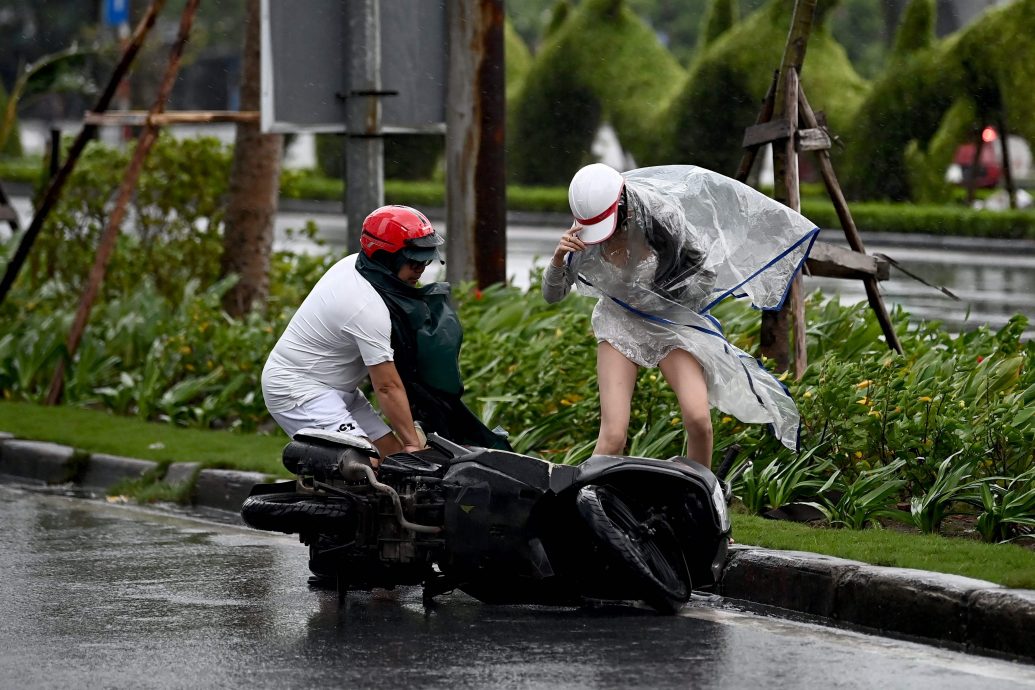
{"points": [[305, 71]]}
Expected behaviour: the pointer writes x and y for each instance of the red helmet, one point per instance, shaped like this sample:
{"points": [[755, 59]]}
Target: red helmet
{"points": [[400, 228]]}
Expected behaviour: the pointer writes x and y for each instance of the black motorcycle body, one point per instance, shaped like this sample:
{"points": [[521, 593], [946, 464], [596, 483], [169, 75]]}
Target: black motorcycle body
{"points": [[503, 527]]}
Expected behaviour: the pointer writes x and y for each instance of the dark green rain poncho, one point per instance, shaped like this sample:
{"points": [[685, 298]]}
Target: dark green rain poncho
{"points": [[426, 338]]}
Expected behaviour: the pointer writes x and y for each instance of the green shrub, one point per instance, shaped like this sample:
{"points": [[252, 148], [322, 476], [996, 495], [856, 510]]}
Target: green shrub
{"points": [[925, 219], [174, 231], [704, 123], [912, 116], [916, 30], [602, 64]]}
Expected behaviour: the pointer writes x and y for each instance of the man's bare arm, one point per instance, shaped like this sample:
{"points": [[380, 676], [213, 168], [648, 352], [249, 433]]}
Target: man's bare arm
{"points": [[391, 397]]}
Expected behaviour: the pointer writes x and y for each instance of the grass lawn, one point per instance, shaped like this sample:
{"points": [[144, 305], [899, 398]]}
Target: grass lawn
{"points": [[100, 432], [1005, 564]]}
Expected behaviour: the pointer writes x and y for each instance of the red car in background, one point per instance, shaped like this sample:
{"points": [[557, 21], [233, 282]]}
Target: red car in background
{"points": [[989, 168]]}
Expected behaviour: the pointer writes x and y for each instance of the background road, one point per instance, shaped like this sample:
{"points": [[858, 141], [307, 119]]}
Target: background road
{"points": [[101, 595]]}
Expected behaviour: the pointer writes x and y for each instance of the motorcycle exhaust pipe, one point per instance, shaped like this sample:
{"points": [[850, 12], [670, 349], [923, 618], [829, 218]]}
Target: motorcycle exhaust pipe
{"points": [[354, 471]]}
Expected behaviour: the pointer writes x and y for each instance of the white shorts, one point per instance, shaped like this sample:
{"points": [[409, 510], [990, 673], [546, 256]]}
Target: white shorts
{"points": [[337, 411]]}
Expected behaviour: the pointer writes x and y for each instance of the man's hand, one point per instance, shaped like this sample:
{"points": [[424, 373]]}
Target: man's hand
{"points": [[391, 397]]}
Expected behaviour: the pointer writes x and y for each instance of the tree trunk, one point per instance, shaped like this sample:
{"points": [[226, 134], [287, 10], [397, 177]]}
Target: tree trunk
{"points": [[254, 186]]}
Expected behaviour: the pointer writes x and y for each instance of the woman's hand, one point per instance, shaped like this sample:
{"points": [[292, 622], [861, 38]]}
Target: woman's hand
{"points": [[570, 242]]}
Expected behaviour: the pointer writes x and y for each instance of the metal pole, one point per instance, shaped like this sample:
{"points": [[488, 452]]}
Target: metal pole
{"points": [[364, 145], [476, 201]]}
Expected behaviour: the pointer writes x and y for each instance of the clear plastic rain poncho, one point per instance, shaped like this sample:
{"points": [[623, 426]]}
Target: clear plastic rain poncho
{"points": [[692, 239]]}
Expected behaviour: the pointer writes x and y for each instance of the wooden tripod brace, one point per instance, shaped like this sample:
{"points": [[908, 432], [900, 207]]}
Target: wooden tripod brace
{"points": [[801, 130]]}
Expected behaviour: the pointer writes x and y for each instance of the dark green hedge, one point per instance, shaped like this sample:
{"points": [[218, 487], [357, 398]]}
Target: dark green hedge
{"points": [[924, 219]]}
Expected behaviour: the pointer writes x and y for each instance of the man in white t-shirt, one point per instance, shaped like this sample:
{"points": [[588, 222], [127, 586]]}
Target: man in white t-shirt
{"points": [[342, 333]]}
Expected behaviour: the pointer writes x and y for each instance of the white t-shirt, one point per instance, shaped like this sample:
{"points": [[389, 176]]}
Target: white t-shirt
{"points": [[341, 328]]}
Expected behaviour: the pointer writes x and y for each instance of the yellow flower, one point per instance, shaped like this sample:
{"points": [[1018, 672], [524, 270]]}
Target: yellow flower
{"points": [[924, 399], [653, 377], [783, 376], [727, 420], [807, 394], [863, 384], [189, 367], [675, 421], [185, 350], [863, 401], [873, 413], [858, 454]]}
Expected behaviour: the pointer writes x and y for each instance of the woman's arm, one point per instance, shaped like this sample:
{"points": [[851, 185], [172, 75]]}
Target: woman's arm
{"points": [[559, 275]]}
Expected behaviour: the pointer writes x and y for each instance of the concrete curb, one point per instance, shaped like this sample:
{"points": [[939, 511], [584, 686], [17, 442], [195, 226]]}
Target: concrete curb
{"points": [[104, 471], [977, 615], [225, 489], [42, 463], [38, 461]]}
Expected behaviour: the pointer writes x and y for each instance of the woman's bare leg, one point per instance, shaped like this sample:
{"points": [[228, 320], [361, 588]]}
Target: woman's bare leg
{"points": [[686, 377], [616, 378]]}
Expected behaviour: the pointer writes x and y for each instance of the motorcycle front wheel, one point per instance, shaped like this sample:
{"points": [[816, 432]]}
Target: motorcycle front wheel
{"points": [[298, 513], [644, 546]]}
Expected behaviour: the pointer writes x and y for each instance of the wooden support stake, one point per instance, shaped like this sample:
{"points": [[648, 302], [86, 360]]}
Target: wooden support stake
{"points": [[140, 118], [747, 161], [1011, 188], [812, 139], [57, 182], [776, 326], [787, 191], [848, 224], [129, 181]]}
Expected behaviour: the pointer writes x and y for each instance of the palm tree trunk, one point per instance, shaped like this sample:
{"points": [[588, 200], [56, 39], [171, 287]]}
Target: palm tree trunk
{"points": [[254, 187]]}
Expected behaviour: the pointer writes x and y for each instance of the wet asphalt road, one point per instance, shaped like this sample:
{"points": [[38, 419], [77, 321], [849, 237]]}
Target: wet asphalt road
{"points": [[103, 596]]}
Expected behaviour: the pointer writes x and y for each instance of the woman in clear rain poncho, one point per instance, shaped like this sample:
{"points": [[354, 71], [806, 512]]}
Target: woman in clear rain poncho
{"points": [[660, 247]]}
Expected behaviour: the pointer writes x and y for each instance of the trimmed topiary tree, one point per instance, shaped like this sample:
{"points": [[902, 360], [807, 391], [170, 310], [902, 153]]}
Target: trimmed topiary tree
{"points": [[720, 18], [916, 31], [603, 64], [908, 128], [517, 59], [721, 96]]}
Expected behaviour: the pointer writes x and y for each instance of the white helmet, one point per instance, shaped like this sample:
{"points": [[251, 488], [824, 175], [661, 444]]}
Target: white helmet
{"points": [[593, 197]]}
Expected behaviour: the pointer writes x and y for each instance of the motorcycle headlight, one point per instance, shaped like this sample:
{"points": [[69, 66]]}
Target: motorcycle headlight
{"points": [[719, 501]]}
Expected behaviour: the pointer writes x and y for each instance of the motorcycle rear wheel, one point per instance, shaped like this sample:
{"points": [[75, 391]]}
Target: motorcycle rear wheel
{"points": [[653, 561], [296, 513]]}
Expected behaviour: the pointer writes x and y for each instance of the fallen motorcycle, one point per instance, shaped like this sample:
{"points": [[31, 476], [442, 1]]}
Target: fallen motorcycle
{"points": [[502, 527]]}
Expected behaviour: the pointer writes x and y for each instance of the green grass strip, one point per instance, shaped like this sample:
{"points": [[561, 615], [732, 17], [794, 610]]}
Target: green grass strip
{"points": [[1005, 564], [100, 432]]}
